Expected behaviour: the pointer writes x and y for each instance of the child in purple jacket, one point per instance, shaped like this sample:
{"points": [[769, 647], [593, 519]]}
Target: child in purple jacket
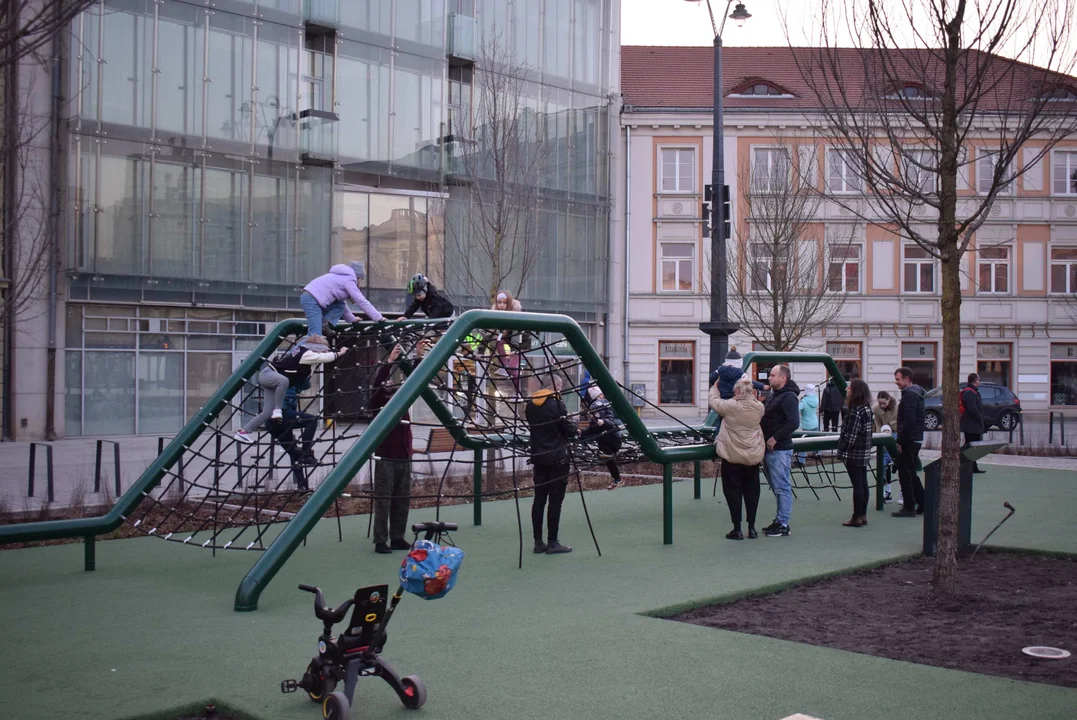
{"points": [[326, 298]]}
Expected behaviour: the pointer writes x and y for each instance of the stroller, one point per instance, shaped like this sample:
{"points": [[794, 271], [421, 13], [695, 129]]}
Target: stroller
{"points": [[428, 571]]}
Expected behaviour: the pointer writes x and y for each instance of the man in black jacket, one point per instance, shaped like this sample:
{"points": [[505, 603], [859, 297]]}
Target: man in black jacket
{"points": [[910, 435], [831, 405], [550, 429], [781, 418], [972, 414]]}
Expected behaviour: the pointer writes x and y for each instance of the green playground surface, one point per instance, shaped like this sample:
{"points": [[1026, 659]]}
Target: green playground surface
{"points": [[152, 630]]}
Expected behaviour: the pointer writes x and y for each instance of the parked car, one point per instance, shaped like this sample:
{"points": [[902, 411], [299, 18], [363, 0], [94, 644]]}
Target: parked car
{"points": [[1002, 409]]}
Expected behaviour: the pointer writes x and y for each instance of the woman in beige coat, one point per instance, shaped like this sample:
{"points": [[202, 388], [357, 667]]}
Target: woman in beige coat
{"points": [[740, 445]]}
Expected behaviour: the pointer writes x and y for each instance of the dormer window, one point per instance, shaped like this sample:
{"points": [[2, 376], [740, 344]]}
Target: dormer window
{"points": [[760, 89], [911, 92], [1060, 93]]}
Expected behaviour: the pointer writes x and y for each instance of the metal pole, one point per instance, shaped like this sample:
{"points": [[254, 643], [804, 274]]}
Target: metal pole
{"points": [[91, 559], [33, 458], [667, 504], [696, 479], [476, 474], [97, 468], [880, 478]]}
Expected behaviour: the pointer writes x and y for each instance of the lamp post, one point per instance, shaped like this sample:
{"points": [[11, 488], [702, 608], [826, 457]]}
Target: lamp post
{"points": [[719, 328]]}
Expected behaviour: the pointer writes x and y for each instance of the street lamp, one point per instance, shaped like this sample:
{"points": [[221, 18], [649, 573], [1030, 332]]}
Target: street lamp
{"points": [[719, 328]]}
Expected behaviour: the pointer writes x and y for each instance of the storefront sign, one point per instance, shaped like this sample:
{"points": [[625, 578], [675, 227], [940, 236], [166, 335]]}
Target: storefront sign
{"points": [[843, 351], [676, 350], [993, 351], [1061, 351], [916, 351]]}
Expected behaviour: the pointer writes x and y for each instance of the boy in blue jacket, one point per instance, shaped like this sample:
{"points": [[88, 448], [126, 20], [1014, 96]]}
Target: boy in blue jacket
{"points": [[729, 372]]}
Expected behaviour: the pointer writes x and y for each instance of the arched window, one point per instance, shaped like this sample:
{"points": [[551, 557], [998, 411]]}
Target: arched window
{"points": [[760, 89], [911, 92], [1060, 93]]}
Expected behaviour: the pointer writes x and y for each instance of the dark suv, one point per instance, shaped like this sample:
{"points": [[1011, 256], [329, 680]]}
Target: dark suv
{"points": [[1002, 409]]}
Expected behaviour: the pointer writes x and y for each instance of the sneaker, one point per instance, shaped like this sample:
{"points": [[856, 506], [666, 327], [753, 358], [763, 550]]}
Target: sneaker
{"points": [[779, 531], [399, 545], [887, 498], [276, 415], [615, 484], [904, 512], [556, 548], [382, 549], [244, 437], [307, 460], [734, 535], [772, 526], [540, 547], [752, 534]]}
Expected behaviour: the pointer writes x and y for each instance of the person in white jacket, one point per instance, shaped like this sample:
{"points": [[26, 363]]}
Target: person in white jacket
{"points": [[288, 369]]}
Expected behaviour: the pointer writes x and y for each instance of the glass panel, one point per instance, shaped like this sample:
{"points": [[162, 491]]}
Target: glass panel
{"points": [[72, 393], [373, 16], [73, 326], [278, 70], [527, 24], [271, 254], [107, 340], [557, 35], [231, 57], [120, 227], [923, 372], [587, 42], [1064, 383], [669, 275], [109, 393], [435, 245], [175, 193], [363, 101], [128, 66], [226, 197], [927, 278], [420, 21], [315, 218], [160, 392], [416, 112], [1001, 278], [675, 382], [206, 372], [910, 277], [89, 22], [352, 218], [180, 40], [1058, 278], [985, 277], [685, 275], [397, 235]]}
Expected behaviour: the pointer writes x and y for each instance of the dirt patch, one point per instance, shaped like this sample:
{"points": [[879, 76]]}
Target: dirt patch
{"points": [[1006, 602]]}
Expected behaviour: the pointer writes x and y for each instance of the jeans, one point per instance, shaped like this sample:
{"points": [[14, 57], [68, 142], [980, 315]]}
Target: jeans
{"points": [[780, 479], [274, 386], [858, 474], [551, 482], [317, 315]]}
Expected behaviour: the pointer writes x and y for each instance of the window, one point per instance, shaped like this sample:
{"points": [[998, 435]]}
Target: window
{"points": [[1060, 93], [910, 92], [770, 170], [1064, 373], [678, 169], [843, 272], [994, 270], [760, 89], [678, 267], [986, 163], [993, 362], [1064, 270], [759, 267], [847, 357], [676, 372], [1064, 169], [919, 270], [918, 168], [842, 175], [921, 359]]}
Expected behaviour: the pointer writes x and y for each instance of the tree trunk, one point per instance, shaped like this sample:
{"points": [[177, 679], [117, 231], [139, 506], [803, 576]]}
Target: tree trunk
{"points": [[944, 578]]}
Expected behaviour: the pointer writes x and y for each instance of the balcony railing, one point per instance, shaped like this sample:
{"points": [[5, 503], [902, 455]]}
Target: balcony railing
{"points": [[318, 136], [462, 33]]}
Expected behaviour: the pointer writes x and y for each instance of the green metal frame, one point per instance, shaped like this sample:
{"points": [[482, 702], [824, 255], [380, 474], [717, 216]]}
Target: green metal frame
{"points": [[417, 385]]}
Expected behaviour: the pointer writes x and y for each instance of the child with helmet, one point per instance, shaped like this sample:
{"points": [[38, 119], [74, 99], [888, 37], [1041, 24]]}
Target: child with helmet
{"points": [[426, 297]]}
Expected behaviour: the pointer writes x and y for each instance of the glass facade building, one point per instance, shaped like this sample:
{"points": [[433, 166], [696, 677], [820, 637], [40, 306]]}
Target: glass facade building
{"points": [[219, 157]]}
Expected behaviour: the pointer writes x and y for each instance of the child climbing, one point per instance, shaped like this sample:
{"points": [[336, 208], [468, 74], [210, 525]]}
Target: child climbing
{"points": [[604, 425], [325, 298], [286, 369], [426, 297]]}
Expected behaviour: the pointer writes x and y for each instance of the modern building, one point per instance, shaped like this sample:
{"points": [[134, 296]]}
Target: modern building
{"points": [[213, 157], [1019, 282]]}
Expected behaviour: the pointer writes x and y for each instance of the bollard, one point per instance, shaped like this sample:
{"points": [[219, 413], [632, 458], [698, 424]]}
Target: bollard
{"points": [[667, 504], [115, 465], [476, 475], [696, 480], [50, 491]]}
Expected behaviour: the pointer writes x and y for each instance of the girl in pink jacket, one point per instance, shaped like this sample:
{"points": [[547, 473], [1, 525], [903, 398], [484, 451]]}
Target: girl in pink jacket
{"points": [[325, 298]]}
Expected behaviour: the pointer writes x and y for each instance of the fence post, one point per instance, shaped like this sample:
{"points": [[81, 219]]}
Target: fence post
{"points": [[97, 468], [696, 479], [1062, 429], [91, 558], [667, 504], [33, 458], [1050, 426], [476, 476], [50, 490], [880, 477], [116, 462]]}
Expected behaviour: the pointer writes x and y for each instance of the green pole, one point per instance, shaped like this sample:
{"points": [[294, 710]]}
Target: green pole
{"points": [[667, 504], [476, 476], [90, 548], [879, 477], [696, 479]]}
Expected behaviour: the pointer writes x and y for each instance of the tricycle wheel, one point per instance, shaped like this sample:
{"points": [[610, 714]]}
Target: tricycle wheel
{"points": [[323, 684], [336, 706], [412, 692]]}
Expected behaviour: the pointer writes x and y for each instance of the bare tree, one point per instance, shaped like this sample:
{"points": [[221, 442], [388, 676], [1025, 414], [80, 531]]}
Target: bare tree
{"points": [[493, 224], [28, 26], [925, 87], [793, 279]]}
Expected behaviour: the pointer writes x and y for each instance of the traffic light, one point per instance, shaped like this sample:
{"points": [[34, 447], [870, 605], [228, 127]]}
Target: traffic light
{"points": [[727, 213], [706, 209]]}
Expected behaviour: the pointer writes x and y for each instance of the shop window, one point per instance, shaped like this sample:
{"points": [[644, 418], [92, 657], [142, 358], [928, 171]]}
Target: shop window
{"points": [[922, 359], [676, 372], [847, 355], [1064, 373], [994, 363]]}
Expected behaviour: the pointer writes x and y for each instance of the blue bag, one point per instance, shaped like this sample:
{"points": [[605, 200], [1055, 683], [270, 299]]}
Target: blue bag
{"points": [[430, 570]]}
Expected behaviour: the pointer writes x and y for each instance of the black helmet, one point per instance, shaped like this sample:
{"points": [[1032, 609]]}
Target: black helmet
{"points": [[417, 284]]}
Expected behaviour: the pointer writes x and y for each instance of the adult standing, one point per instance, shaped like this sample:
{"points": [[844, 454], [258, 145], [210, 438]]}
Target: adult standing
{"points": [[740, 446], [854, 448], [910, 436], [550, 429], [972, 414], [831, 405], [781, 418]]}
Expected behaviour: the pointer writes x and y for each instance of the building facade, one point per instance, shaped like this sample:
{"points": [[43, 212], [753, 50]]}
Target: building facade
{"points": [[1018, 282], [214, 158]]}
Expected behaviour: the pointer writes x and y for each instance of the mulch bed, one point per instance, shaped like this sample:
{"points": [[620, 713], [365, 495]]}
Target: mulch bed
{"points": [[1006, 602]]}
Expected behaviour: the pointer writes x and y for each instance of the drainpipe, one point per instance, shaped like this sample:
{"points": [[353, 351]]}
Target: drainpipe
{"points": [[52, 227], [607, 344], [11, 132], [628, 236]]}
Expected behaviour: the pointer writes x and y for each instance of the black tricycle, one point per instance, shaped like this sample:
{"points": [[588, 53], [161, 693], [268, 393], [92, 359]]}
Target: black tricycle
{"points": [[357, 651]]}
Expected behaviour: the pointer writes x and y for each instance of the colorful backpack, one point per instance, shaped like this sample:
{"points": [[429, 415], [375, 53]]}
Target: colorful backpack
{"points": [[430, 570]]}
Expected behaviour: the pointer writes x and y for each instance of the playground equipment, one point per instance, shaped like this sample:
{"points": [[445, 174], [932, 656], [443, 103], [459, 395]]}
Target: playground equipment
{"points": [[357, 651], [206, 490]]}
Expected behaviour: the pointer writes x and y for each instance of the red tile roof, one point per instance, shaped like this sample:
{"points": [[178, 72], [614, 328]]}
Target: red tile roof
{"points": [[664, 77]]}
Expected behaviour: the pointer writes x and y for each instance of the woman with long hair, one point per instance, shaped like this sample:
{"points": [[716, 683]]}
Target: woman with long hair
{"points": [[854, 448]]}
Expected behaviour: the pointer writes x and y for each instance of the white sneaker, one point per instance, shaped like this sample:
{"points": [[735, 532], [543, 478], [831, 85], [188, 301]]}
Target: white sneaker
{"points": [[277, 415], [244, 437]]}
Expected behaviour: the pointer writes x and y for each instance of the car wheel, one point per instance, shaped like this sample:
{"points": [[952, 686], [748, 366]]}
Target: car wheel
{"points": [[932, 421], [1008, 421]]}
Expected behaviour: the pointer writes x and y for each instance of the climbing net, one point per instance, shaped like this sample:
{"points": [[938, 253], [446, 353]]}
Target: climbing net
{"points": [[225, 494]]}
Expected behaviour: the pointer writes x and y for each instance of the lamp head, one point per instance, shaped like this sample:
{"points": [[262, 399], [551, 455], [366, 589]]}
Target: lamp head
{"points": [[739, 15]]}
